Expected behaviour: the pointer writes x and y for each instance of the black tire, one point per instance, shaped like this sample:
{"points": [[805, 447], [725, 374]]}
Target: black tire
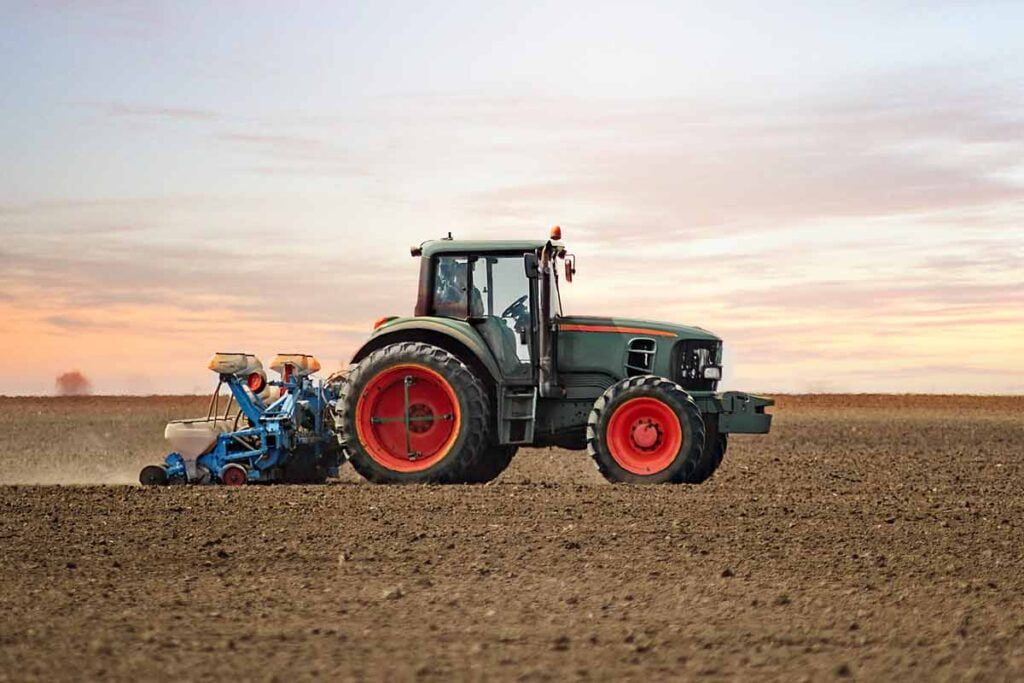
{"points": [[304, 467], [715, 445], [153, 475], [495, 461], [474, 435], [691, 426]]}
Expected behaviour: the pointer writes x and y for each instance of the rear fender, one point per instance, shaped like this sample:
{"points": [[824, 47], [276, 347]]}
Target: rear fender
{"points": [[455, 336]]}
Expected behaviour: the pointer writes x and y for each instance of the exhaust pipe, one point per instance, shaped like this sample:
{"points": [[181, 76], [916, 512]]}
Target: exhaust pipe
{"points": [[547, 374]]}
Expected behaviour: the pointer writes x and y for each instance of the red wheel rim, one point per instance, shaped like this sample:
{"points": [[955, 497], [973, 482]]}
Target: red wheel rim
{"points": [[233, 475], [433, 411], [644, 435]]}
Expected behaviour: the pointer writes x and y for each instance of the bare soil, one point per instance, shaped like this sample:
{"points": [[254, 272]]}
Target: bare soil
{"points": [[867, 537]]}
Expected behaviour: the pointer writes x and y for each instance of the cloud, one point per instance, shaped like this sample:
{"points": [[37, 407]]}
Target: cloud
{"points": [[879, 298], [627, 169], [167, 113], [285, 154], [277, 142], [248, 277], [72, 323]]}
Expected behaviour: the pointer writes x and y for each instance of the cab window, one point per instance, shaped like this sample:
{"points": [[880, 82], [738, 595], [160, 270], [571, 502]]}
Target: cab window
{"points": [[505, 319], [451, 287]]}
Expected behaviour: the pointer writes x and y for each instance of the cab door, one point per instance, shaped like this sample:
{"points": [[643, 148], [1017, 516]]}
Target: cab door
{"points": [[502, 311]]}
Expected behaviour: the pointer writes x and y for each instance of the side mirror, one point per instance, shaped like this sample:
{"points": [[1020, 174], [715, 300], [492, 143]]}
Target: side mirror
{"points": [[532, 266], [570, 267]]}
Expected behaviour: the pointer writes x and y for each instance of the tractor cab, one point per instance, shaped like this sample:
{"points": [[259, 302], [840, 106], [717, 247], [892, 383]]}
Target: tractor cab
{"points": [[507, 291]]}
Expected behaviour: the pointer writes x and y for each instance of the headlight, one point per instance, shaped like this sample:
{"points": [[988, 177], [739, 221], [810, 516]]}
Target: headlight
{"points": [[699, 362]]}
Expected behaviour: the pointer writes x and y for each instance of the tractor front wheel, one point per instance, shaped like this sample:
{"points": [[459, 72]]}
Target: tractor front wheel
{"points": [[645, 430], [715, 445], [413, 413]]}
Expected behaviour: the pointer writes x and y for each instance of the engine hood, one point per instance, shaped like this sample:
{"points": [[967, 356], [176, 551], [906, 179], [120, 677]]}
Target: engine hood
{"points": [[631, 326]]}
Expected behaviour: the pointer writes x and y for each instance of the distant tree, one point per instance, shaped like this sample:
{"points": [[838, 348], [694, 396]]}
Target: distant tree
{"points": [[73, 383]]}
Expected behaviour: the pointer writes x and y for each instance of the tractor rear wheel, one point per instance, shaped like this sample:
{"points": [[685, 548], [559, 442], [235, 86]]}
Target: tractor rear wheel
{"points": [[645, 430], [494, 461], [413, 413], [715, 445]]}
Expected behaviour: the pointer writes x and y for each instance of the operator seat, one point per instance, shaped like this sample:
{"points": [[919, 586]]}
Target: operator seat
{"points": [[502, 341]]}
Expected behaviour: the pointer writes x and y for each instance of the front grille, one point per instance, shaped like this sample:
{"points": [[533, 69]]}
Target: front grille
{"points": [[640, 356], [690, 357]]}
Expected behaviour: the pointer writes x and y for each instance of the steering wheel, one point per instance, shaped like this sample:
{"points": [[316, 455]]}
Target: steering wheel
{"points": [[516, 309]]}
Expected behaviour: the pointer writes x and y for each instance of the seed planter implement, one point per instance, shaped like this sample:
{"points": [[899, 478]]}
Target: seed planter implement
{"points": [[268, 431]]}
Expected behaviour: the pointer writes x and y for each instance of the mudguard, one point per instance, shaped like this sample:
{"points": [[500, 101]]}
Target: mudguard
{"points": [[422, 328]]}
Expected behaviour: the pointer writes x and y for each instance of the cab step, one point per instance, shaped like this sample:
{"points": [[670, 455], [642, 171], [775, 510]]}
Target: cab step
{"points": [[517, 414]]}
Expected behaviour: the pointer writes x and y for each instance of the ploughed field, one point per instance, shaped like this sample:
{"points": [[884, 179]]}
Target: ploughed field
{"points": [[864, 537]]}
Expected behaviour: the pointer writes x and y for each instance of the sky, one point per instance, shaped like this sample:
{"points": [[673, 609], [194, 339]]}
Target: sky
{"points": [[836, 189]]}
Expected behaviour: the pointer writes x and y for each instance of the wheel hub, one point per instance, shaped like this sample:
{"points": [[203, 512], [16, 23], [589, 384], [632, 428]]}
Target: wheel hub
{"points": [[645, 434], [421, 418], [234, 475]]}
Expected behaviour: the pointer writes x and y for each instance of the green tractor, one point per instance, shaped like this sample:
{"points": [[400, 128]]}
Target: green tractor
{"points": [[489, 363]]}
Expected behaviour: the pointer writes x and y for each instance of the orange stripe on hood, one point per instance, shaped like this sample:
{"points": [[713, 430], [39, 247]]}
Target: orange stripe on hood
{"points": [[613, 328]]}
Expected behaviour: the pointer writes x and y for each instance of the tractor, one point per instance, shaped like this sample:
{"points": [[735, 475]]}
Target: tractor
{"points": [[487, 363]]}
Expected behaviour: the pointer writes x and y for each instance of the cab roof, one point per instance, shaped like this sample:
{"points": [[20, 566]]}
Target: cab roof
{"points": [[434, 247]]}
